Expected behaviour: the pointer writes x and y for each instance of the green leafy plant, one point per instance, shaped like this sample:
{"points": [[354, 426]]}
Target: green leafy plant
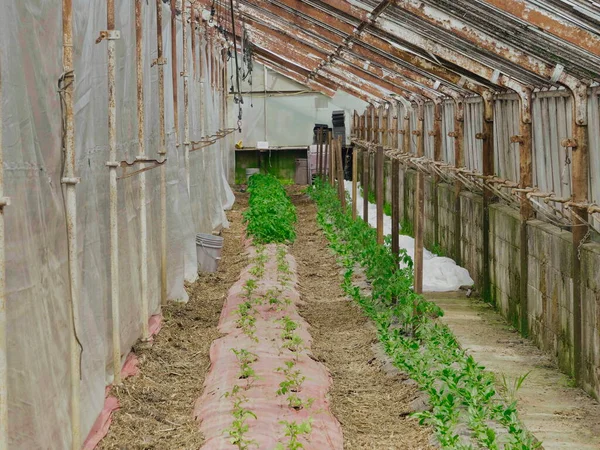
{"points": [[270, 216], [239, 427], [459, 389], [294, 431]]}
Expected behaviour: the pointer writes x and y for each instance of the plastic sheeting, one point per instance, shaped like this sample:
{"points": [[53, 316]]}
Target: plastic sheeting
{"points": [[440, 273], [36, 245]]}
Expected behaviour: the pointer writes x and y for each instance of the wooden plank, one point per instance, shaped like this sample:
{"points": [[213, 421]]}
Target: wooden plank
{"points": [[419, 207], [379, 192], [340, 172], [354, 180], [396, 208], [365, 185], [331, 160]]}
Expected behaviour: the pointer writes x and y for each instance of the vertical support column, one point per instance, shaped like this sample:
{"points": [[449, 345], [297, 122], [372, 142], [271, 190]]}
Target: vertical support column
{"points": [[458, 135], [379, 192], [331, 159], [3, 365], [139, 42], [365, 186], [69, 179], [487, 135], [384, 127], [186, 109], [174, 67], [406, 150], [340, 172], [419, 204], [526, 180], [162, 152], [113, 164], [395, 208], [354, 180], [394, 131], [580, 177], [437, 156]]}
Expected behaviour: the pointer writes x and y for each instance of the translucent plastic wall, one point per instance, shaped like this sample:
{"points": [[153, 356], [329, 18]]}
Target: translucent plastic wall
{"points": [[36, 236], [289, 110]]}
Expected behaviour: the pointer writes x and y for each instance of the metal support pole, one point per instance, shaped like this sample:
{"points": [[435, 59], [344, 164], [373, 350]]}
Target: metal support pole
{"points": [[174, 68], [319, 150], [3, 365], [70, 181], [419, 206], [162, 152], [142, 154], [365, 185], [354, 180], [113, 207], [186, 109]]}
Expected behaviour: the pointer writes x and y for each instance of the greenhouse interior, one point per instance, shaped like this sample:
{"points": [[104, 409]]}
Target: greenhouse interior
{"points": [[300, 224]]}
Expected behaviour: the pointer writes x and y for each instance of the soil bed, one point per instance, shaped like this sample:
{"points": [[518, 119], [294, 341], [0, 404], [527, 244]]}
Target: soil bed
{"points": [[372, 406], [156, 406]]}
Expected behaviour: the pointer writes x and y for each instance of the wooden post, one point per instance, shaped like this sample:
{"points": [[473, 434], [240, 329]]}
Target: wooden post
{"points": [[526, 180], [395, 208], [331, 160], [319, 150], [419, 191], [365, 186], [379, 192], [579, 176], [437, 156], [458, 162], [488, 169], [354, 180], [394, 131], [326, 157], [340, 172]]}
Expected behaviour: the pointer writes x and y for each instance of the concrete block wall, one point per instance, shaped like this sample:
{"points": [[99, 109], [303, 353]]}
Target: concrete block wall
{"points": [[549, 273], [446, 219], [505, 265], [549, 290], [471, 236], [590, 292]]}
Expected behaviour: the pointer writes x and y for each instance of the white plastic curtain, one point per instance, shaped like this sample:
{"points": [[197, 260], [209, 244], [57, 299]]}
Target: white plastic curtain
{"points": [[36, 246]]}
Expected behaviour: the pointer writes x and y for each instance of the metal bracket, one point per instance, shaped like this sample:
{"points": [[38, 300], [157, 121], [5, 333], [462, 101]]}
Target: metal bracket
{"points": [[558, 70], [109, 35], [569, 143], [481, 136], [517, 139], [183, 74], [159, 62], [495, 76], [72, 180], [113, 164]]}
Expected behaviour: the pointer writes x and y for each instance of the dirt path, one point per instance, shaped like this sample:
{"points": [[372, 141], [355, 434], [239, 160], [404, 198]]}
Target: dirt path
{"points": [[560, 416], [371, 406], [156, 406]]}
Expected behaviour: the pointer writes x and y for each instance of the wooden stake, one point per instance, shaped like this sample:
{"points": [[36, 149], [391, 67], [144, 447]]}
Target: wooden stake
{"points": [[379, 192], [354, 180], [488, 170], [458, 162], [340, 172], [419, 207], [396, 208], [365, 185], [331, 160], [319, 150]]}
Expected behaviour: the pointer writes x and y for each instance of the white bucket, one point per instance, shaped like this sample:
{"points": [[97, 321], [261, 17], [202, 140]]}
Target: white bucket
{"points": [[250, 172], [208, 251]]}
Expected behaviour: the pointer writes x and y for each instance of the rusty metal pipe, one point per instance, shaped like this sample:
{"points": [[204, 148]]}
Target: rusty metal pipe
{"points": [[419, 203], [70, 181], [186, 105], [113, 194], [162, 151], [3, 365], [174, 68], [139, 51]]}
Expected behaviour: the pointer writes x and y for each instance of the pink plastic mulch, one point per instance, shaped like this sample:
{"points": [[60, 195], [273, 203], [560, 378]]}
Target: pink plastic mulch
{"points": [[111, 404], [214, 410]]}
